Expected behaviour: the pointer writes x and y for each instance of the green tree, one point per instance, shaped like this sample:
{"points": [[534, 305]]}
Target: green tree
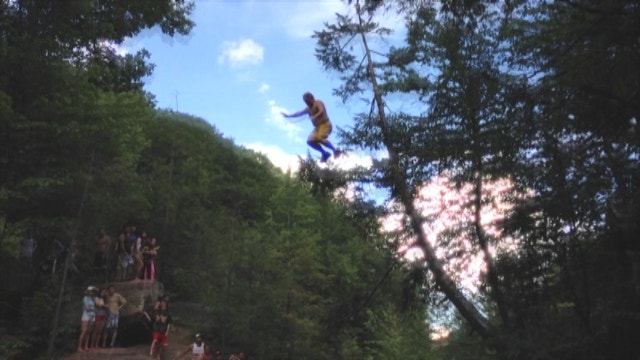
{"points": [[70, 100], [582, 54], [517, 90], [281, 262], [390, 133], [287, 270], [72, 109]]}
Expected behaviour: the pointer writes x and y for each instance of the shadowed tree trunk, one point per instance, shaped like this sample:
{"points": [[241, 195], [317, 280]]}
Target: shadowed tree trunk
{"points": [[447, 285]]}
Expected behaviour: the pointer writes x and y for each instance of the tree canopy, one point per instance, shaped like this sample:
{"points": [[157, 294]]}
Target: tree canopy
{"points": [[288, 272], [528, 92], [524, 111]]}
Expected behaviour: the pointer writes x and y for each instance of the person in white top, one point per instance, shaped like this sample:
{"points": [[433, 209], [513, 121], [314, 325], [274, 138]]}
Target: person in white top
{"points": [[196, 349]]}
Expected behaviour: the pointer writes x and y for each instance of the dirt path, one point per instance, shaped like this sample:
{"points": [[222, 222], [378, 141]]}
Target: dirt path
{"points": [[179, 339]]}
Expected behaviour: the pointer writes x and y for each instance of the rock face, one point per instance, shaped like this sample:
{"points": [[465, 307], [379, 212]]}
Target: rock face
{"points": [[134, 332], [140, 295]]}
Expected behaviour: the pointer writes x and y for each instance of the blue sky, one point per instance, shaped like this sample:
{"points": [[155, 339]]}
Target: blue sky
{"points": [[244, 63]]}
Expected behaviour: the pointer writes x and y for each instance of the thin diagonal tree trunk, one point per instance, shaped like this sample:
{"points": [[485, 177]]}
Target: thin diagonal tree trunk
{"points": [[467, 309], [65, 271]]}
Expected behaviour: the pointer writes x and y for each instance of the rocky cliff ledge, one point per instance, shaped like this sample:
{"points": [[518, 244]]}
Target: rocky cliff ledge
{"points": [[140, 295]]}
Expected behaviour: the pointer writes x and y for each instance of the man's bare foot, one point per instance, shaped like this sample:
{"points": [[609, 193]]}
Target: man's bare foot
{"points": [[337, 153]]}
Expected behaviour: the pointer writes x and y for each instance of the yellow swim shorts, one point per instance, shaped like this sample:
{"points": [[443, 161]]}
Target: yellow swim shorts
{"points": [[322, 131]]}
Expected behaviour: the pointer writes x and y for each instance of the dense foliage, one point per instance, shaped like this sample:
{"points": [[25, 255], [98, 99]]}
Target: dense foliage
{"points": [[287, 272], [543, 94]]}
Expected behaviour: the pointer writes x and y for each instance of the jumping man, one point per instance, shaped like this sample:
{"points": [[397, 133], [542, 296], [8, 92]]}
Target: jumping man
{"points": [[321, 126]]}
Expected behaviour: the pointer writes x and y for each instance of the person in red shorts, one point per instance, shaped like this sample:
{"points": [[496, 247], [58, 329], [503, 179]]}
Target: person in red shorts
{"points": [[161, 325]]}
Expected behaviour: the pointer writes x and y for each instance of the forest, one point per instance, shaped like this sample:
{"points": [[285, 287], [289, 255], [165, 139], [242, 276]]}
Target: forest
{"points": [[516, 151]]}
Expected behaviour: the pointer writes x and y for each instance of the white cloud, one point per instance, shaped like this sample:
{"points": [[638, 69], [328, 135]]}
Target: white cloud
{"points": [[350, 160], [289, 127], [277, 156], [240, 53], [264, 87], [302, 18], [119, 49], [123, 49]]}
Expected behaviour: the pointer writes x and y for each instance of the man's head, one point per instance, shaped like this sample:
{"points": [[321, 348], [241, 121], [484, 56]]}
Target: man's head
{"points": [[112, 289], [198, 339], [308, 98]]}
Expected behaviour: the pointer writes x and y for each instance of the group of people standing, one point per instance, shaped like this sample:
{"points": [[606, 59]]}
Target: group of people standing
{"points": [[135, 255], [100, 317]]}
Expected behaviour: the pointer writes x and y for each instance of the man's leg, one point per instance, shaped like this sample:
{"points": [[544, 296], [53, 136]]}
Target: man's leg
{"points": [[114, 333], [153, 345], [320, 136], [105, 335], [316, 145], [327, 144], [336, 152], [114, 328]]}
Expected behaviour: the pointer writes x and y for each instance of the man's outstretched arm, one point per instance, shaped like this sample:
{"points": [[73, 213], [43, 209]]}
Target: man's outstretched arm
{"points": [[296, 114]]}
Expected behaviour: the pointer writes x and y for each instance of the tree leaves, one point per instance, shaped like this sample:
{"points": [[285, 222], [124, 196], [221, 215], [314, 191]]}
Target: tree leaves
{"points": [[522, 94]]}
